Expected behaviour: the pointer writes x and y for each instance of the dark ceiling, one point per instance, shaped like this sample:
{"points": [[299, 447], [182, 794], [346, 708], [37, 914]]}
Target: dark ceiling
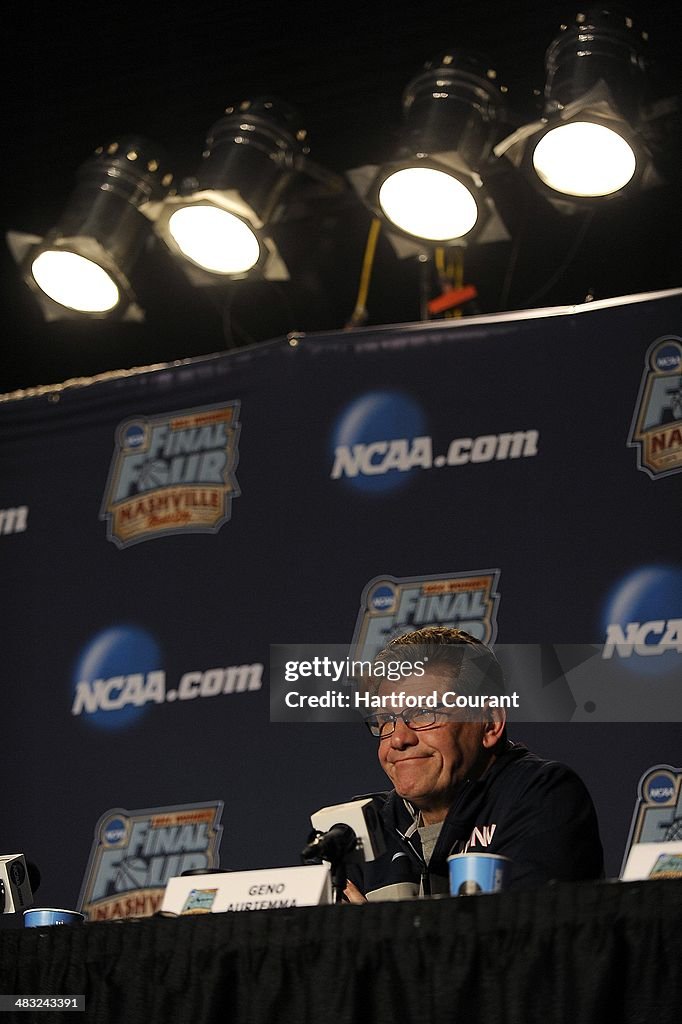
{"points": [[86, 75]]}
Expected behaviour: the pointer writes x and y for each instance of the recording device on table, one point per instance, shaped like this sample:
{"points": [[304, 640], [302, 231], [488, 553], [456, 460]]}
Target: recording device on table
{"points": [[18, 882], [344, 834]]}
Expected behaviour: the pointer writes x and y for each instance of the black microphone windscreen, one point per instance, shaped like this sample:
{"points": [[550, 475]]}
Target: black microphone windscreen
{"points": [[33, 876]]}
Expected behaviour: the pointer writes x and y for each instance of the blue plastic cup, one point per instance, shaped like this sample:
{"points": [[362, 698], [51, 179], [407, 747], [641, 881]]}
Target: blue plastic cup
{"points": [[473, 873], [41, 917]]}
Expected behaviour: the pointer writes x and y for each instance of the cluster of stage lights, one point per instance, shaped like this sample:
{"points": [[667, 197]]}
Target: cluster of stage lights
{"points": [[583, 148]]}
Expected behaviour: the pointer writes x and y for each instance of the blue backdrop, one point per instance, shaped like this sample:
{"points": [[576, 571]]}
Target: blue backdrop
{"points": [[159, 530]]}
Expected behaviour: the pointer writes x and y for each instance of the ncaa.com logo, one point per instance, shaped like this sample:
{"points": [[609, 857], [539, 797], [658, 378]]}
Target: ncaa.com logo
{"points": [[382, 437], [119, 675], [643, 620]]}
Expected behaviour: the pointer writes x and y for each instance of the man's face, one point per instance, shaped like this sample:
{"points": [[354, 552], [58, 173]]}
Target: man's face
{"points": [[426, 765]]}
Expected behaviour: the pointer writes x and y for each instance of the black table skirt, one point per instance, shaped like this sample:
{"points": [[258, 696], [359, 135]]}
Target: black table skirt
{"points": [[569, 953]]}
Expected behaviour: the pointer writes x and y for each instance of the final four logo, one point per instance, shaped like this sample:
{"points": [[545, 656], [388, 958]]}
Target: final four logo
{"points": [[657, 424], [391, 606], [172, 474], [134, 854]]}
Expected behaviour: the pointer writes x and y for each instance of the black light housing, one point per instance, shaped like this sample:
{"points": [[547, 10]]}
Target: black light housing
{"points": [[218, 220], [83, 265], [434, 189], [587, 146]]}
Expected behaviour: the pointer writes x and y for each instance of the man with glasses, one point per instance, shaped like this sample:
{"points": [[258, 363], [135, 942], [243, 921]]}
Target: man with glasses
{"points": [[459, 784]]}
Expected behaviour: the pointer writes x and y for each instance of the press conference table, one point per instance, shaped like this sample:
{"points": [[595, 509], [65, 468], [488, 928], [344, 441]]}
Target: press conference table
{"points": [[573, 953]]}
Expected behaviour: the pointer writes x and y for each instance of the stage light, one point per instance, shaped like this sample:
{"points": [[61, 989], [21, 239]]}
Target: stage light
{"points": [[219, 220], [74, 281], [428, 203], [434, 190], [214, 239], [586, 146], [583, 158], [83, 265]]}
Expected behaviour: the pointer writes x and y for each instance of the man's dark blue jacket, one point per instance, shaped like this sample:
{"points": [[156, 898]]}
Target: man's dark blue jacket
{"points": [[538, 813]]}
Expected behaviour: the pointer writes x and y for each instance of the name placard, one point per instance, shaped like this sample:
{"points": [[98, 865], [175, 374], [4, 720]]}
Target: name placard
{"points": [[266, 889], [654, 860]]}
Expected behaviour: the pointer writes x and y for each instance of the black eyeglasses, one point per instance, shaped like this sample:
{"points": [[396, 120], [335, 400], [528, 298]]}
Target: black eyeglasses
{"points": [[383, 725]]}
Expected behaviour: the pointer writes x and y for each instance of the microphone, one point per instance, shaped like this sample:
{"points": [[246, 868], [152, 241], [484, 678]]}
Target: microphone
{"points": [[333, 845], [18, 881], [33, 876]]}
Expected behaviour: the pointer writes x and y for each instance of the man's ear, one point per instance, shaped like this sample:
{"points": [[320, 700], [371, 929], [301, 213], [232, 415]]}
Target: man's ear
{"points": [[496, 720]]}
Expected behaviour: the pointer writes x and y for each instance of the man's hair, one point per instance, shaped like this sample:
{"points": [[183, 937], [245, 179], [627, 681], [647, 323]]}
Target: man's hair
{"points": [[452, 650]]}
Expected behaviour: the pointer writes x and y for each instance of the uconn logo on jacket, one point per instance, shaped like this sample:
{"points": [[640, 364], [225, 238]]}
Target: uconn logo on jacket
{"points": [[480, 838]]}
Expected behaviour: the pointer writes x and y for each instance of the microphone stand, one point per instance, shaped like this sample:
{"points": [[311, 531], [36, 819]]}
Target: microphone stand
{"points": [[339, 880], [333, 846]]}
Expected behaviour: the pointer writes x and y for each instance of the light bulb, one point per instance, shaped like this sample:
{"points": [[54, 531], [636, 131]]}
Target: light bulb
{"points": [[428, 203], [74, 281], [214, 239], [584, 159]]}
